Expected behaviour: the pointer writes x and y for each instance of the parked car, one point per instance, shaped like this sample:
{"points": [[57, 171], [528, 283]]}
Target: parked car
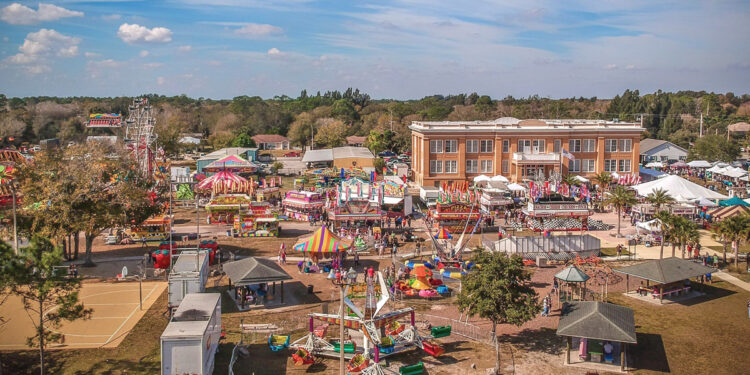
{"points": [[292, 154], [386, 153]]}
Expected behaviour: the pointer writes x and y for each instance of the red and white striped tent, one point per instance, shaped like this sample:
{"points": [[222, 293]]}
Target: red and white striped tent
{"points": [[224, 181]]}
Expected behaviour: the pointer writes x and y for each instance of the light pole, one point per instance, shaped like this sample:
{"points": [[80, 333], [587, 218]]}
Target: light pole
{"points": [[342, 280], [15, 222]]}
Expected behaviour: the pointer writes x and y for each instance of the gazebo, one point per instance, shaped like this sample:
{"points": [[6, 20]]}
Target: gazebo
{"points": [[669, 274], [573, 275], [252, 271], [600, 323]]}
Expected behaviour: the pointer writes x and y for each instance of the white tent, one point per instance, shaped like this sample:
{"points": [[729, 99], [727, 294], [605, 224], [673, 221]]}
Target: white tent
{"points": [[481, 177], [677, 186], [516, 187], [655, 164], [190, 140], [699, 164], [703, 202], [499, 178], [651, 226], [581, 179], [715, 169], [734, 172]]}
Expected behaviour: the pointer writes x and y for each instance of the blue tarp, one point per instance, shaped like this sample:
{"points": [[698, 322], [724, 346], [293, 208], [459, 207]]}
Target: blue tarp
{"points": [[649, 174], [734, 201]]}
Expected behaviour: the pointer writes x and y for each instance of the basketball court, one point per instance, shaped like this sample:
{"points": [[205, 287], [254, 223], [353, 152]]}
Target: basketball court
{"points": [[116, 311]]}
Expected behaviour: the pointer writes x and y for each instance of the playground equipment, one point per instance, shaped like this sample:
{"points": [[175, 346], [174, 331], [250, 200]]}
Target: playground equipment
{"points": [[302, 357], [278, 342], [412, 369]]}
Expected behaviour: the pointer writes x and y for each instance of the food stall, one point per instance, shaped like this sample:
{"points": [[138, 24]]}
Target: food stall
{"points": [[301, 205], [256, 226], [493, 199], [563, 214], [222, 208], [152, 229], [396, 201], [356, 203], [453, 216]]}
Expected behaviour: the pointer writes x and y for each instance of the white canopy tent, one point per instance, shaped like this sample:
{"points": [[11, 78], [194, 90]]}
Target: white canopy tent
{"points": [[677, 186], [581, 179], [651, 225], [734, 172], [699, 164], [481, 178], [655, 164], [703, 202], [715, 169], [516, 187], [499, 178], [189, 140]]}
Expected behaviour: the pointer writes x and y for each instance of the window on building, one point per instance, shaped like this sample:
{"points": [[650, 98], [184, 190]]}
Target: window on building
{"points": [[524, 146], [537, 146], [506, 167], [589, 145], [574, 165], [588, 165], [624, 165], [610, 145], [436, 166], [485, 146], [472, 146], [436, 146], [610, 165], [486, 166], [557, 145], [451, 146], [506, 145], [574, 145], [451, 166], [472, 166], [626, 145]]}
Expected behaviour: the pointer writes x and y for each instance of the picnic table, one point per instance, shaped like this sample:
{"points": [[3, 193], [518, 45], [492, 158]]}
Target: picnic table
{"points": [[668, 293]]}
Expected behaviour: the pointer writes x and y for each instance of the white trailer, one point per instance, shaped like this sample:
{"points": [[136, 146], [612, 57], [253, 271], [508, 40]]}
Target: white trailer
{"points": [[189, 275], [428, 195], [191, 339]]}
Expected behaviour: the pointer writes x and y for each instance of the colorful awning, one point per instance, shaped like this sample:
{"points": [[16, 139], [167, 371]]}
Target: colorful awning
{"points": [[226, 178], [323, 241], [443, 234], [231, 163]]}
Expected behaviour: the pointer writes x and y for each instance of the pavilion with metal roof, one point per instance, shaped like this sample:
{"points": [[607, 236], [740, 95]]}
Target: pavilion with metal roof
{"points": [[597, 323], [666, 273], [253, 270]]}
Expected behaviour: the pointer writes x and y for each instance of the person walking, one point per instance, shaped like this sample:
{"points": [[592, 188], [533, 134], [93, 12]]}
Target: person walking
{"points": [[356, 259]]}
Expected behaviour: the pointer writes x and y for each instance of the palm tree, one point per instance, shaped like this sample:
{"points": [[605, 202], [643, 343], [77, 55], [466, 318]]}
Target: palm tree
{"points": [[688, 233], [620, 198], [571, 180], [604, 179], [719, 232], [659, 197], [668, 230], [737, 228]]}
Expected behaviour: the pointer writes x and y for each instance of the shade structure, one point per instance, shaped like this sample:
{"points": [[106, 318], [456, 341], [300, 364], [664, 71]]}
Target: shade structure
{"points": [[651, 225], [323, 241], [232, 163], [667, 270], [679, 164], [443, 234], [516, 187], [699, 164], [572, 274], [676, 185], [722, 213], [598, 321], [581, 179], [500, 178], [481, 177], [224, 178], [655, 164], [254, 270], [734, 201], [703, 202]]}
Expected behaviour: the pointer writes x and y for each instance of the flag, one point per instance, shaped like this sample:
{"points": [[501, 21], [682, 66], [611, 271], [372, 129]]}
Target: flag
{"points": [[567, 155]]}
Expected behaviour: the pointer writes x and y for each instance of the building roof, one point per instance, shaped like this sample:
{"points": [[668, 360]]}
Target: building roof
{"points": [[312, 156], [572, 274], [269, 138], [514, 124], [192, 316], [739, 127], [667, 270], [599, 321], [352, 152], [649, 144], [218, 154], [355, 139], [254, 270], [721, 213], [186, 262]]}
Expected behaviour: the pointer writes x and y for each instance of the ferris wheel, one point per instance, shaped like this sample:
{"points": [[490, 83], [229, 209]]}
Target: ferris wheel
{"points": [[139, 134]]}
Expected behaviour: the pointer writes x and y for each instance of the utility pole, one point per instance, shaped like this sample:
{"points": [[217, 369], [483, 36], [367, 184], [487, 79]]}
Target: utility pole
{"points": [[700, 131], [390, 111]]}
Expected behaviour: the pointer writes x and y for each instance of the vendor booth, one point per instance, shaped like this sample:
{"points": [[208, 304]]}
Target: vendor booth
{"points": [[303, 205], [255, 226], [356, 204], [152, 229], [223, 208]]}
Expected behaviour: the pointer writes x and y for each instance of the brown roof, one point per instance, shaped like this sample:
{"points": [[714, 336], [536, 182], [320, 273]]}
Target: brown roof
{"points": [[667, 270], [597, 320], [269, 138], [739, 127], [355, 139]]}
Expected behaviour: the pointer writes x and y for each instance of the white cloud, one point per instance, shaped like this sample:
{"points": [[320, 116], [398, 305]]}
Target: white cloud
{"points": [[610, 66], [258, 30], [143, 53], [107, 63], [630, 67], [187, 48], [17, 14], [39, 49], [134, 33], [274, 52], [111, 17], [91, 55], [160, 80], [153, 65]]}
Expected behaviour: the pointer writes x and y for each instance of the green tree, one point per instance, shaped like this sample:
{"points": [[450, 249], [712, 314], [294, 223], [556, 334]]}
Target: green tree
{"points": [[276, 167], [343, 109], [378, 142], [302, 129], [49, 295], [498, 289], [620, 198], [659, 197], [714, 147], [604, 179], [243, 140], [379, 164], [736, 229], [571, 180], [669, 229], [331, 133], [687, 232], [484, 105]]}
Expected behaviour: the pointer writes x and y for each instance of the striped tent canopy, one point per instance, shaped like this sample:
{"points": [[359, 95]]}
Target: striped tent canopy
{"points": [[323, 241], [232, 163], [223, 179], [443, 234], [721, 213]]}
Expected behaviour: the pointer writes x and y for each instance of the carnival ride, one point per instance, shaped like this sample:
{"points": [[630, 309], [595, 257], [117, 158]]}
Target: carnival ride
{"points": [[365, 358], [139, 135], [104, 120]]}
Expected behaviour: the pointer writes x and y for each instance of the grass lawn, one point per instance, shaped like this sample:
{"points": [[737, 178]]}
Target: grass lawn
{"points": [[612, 251], [707, 336]]}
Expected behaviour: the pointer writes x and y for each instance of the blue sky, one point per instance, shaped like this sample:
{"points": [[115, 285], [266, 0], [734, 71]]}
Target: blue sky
{"points": [[390, 48]]}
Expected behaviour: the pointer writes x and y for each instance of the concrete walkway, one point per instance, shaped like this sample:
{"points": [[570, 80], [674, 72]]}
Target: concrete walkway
{"points": [[733, 280]]}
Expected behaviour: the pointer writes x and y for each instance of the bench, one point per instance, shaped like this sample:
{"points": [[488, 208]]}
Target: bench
{"points": [[670, 292]]}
